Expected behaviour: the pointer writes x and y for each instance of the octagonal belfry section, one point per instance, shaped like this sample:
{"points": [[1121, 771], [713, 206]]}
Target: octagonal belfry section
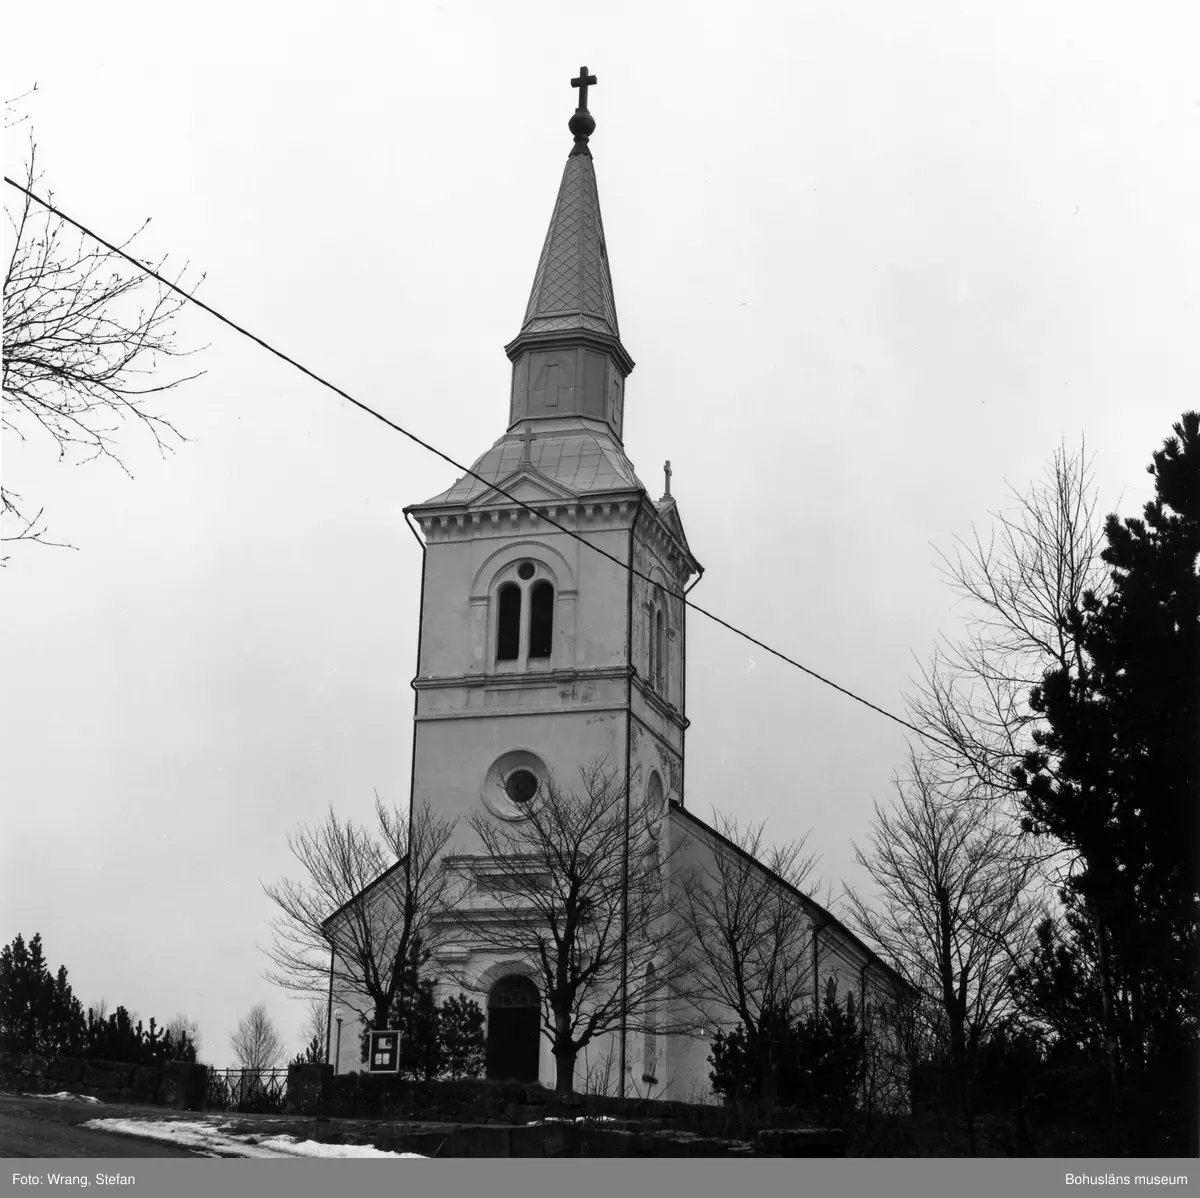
{"points": [[568, 360]]}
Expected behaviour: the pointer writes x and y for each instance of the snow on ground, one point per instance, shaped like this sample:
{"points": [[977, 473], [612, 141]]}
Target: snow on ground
{"points": [[66, 1096], [213, 1138], [576, 1119]]}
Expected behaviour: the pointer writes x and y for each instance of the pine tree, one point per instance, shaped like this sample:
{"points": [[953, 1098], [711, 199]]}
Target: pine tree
{"points": [[414, 1014], [1056, 987], [1114, 776], [313, 1054], [38, 1012], [460, 1036]]}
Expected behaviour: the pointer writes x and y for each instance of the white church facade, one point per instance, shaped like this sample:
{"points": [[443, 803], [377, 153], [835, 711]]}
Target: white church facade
{"points": [[537, 653]]}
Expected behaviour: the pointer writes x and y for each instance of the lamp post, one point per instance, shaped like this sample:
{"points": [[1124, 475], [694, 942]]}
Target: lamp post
{"points": [[338, 1056]]}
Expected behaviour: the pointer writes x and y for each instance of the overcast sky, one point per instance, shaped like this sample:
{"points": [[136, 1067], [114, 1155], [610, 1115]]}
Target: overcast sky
{"points": [[874, 262]]}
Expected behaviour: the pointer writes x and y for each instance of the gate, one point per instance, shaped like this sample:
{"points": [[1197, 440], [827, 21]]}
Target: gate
{"points": [[248, 1090]]}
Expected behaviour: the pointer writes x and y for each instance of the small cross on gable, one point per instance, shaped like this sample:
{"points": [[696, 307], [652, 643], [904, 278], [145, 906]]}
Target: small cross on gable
{"points": [[582, 83], [667, 472], [527, 439]]}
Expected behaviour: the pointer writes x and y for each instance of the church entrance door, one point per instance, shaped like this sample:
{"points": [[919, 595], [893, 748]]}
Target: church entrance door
{"points": [[514, 1015]]}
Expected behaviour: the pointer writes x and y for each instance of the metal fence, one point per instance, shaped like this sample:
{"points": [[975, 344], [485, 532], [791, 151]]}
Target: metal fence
{"points": [[246, 1089]]}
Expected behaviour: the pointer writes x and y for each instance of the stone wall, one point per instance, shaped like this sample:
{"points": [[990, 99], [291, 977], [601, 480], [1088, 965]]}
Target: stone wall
{"points": [[480, 1118], [176, 1084], [314, 1090]]}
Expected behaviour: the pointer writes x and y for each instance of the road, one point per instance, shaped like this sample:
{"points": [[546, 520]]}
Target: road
{"points": [[39, 1127]]}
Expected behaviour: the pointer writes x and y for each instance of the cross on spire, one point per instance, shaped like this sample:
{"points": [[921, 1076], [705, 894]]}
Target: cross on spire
{"points": [[581, 124], [582, 83], [527, 439], [667, 472]]}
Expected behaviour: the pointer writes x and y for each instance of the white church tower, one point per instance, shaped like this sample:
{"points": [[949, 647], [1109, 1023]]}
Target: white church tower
{"points": [[536, 653]]}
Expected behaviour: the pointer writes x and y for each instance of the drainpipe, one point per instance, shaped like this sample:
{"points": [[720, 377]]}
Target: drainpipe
{"points": [[862, 1022], [329, 1006], [629, 672], [683, 682], [818, 924], [412, 780]]}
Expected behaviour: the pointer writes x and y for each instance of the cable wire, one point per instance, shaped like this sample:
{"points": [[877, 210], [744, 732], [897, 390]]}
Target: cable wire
{"points": [[147, 270]]}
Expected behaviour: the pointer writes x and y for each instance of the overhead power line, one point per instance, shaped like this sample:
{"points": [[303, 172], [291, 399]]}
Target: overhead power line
{"points": [[147, 270]]}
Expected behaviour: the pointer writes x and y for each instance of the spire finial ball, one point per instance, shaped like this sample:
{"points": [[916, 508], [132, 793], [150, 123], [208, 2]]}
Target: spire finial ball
{"points": [[582, 124]]}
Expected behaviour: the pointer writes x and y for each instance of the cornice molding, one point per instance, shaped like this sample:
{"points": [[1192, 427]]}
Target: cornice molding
{"points": [[671, 548], [457, 522], [522, 680], [657, 703]]}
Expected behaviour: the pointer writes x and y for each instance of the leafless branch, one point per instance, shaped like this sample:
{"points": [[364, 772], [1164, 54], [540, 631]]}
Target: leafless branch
{"points": [[84, 339], [554, 883], [749, 935], [957, 902], [256, 1043], [180, 1025], [1020, 586], [369, 899]]}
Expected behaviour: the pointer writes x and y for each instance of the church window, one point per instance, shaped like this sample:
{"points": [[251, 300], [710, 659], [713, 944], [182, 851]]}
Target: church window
{"points": [[508, 630], [541, 619], [513, 784], [521, 786], [660, 677], [525, 571], [654, 800], [650, 646]]}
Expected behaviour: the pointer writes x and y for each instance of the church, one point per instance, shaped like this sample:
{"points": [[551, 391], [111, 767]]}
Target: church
{"points": [[537, 653]]}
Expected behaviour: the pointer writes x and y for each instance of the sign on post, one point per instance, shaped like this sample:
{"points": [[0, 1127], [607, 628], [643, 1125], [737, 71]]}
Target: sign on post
{"points": [[385, 1052]]}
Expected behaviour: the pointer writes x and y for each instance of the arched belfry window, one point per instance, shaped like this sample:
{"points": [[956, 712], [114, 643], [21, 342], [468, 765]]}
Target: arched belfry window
{"points": [[508, 624], [524, 614], [541, 619]]}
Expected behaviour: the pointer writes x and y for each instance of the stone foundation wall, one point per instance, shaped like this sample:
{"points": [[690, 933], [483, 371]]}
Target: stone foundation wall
{"points": [[506, 1119], [176, 1084], [314, 1090]]}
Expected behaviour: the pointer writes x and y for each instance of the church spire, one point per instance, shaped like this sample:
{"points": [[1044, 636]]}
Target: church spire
{"points": [[568, 359]]}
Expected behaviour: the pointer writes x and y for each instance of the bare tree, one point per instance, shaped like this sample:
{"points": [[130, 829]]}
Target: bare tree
{"points": [[1020, 587], [900, 1030], [314, 1031], [748, 937], [1025, 590], [180, 1025], [954, 912], [84, 332], [371, 898], [256, 1043], [579, 886]]}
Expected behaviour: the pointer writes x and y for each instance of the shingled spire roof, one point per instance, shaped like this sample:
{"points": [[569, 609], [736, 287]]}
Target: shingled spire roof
{"points": [[572, 286]]}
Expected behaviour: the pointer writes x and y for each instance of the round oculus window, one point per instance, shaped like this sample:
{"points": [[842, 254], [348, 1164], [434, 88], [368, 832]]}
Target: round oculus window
{"points": [[512, 786], [521, 786], [525, 571]]}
